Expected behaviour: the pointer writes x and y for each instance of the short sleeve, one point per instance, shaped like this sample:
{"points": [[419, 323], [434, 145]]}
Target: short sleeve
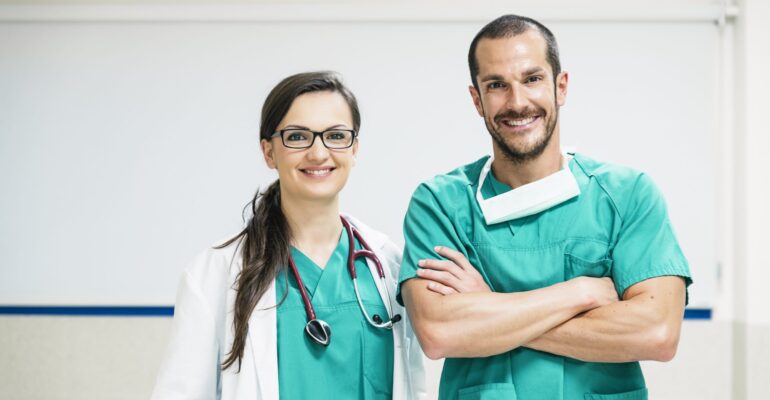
{"points": [[646, 245], [426, 225]]}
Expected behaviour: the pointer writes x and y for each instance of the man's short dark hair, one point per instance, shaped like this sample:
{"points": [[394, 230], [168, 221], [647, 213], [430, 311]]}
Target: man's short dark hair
{"points": [[509, 26]]}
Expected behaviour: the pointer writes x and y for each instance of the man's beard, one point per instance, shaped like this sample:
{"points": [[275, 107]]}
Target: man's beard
{"points": [[518, 156]]}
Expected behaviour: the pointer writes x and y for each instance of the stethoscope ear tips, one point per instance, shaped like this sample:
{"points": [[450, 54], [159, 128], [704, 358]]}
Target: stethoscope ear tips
{"points": [[319, 331], [378, 320]]}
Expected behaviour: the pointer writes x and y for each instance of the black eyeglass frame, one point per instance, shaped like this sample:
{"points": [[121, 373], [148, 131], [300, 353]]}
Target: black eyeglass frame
{"points": [[316, 134]]}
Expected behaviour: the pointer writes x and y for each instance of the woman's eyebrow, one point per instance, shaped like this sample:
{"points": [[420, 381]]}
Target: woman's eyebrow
{"points": [[337, 126], [296, 127], [306, 128]]}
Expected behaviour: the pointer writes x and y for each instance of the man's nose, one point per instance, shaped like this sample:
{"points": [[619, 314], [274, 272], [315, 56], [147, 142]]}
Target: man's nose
{"points": [[517, 100]]}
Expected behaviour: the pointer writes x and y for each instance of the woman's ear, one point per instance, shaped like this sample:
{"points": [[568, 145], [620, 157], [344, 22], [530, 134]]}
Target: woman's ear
{"points": [[267, 152]]}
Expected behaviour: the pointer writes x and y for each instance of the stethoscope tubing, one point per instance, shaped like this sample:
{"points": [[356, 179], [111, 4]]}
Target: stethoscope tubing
{"points": [[382, 325], [353, 253], [302, 291]]}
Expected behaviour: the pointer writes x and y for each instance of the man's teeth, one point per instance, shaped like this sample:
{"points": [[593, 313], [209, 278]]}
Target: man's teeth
{"points": [[519, 122], [317, 171]]}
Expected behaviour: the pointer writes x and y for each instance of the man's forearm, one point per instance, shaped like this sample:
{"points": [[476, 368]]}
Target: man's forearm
{"points": [[645, 326], [485, 324]]}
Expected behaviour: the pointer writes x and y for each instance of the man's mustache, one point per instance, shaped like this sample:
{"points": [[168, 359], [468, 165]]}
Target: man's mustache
{"points": [[510, 114]]}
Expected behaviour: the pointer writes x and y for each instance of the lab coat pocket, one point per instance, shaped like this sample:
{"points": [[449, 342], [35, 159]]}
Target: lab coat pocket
{"points": [[640, 394], [490, 391]]}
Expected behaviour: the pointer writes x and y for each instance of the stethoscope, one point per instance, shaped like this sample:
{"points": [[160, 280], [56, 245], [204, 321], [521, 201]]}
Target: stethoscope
{"points": [[318, 330]]}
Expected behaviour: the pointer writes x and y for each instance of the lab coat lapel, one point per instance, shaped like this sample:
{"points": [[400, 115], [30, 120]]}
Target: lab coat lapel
{"points": [[263, 342], [258, 375], [377, 242], [399, 362], [400, 343]]}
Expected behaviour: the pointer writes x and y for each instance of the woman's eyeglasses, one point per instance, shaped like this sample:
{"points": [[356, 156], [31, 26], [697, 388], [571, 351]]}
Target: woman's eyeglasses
{"points": [[294, 138]]}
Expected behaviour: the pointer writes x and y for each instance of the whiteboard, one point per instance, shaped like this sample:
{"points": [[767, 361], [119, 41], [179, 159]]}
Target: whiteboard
{"points": [[127, 148]]}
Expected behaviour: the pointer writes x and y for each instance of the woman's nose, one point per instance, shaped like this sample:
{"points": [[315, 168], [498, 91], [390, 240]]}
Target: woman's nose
{"points": [[317, 151]]}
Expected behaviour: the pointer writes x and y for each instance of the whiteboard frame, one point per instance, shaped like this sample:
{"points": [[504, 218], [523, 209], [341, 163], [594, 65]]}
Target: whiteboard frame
{"points": [[723, 15], [365, 12]]}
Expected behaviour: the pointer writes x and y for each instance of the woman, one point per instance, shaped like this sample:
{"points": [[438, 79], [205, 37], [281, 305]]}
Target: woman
{"points": [[244, 329]]}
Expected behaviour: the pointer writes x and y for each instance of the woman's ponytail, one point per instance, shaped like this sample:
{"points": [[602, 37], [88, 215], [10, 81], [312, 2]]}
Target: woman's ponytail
{"points": [[265, 249]]}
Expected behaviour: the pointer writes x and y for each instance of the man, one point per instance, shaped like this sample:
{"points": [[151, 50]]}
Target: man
{"points": [[568, 270]]}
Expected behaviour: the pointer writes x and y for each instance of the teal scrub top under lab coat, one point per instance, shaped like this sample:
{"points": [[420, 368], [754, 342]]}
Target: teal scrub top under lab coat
{"points": [[618, 227], [358, 363]]}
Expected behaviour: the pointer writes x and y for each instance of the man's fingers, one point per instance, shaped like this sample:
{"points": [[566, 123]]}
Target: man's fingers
{"points": [[440, 289], [441, 265], [442, 277], [454, 255], [456, 273]]}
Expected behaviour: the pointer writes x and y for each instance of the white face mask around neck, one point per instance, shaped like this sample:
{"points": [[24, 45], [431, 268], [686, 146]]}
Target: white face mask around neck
{"points": [[528, 199]]}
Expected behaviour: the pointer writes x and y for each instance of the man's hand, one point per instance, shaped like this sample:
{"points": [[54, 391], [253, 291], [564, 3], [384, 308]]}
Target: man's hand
{"points": [[599, 291], [457, 275], [454, 275]]}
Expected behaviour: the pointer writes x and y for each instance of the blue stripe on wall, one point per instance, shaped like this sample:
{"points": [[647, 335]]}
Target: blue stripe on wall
{"points": [[697, 313], [168, 311], [96, 311]]}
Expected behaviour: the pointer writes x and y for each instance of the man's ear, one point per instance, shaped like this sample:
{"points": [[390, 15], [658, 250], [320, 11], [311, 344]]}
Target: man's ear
{"points": [[476, 100], [562, 80]]}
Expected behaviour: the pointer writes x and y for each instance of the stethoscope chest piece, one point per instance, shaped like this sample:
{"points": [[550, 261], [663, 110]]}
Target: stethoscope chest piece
{"points": [[319, 331]]}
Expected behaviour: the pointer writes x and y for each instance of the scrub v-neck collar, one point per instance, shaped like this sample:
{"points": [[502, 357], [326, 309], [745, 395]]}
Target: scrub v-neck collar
{"points": [[312, 273]]}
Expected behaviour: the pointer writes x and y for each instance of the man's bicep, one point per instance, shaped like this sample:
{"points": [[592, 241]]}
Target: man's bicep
{"points": [[660, 306], [418, 300], [666, 294], [421, 306]]}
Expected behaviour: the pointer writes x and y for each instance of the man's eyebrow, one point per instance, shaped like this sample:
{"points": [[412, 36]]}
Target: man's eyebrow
{"points": [[492, 77], [527, 72], [533, 71]]}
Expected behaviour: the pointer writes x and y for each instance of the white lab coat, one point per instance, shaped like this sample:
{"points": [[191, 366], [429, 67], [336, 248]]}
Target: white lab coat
{"points": [[202, 333]]}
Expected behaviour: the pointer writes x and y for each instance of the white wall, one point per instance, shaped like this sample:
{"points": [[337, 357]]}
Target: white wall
{"points": [[137, 139]]}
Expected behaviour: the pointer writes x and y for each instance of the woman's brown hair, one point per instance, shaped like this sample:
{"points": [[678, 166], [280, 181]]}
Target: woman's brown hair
{"points": [[266, 238]]}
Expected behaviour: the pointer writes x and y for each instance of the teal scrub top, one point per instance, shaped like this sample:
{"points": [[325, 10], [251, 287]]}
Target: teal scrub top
{"points": [[618, 227], [358, 363]]}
